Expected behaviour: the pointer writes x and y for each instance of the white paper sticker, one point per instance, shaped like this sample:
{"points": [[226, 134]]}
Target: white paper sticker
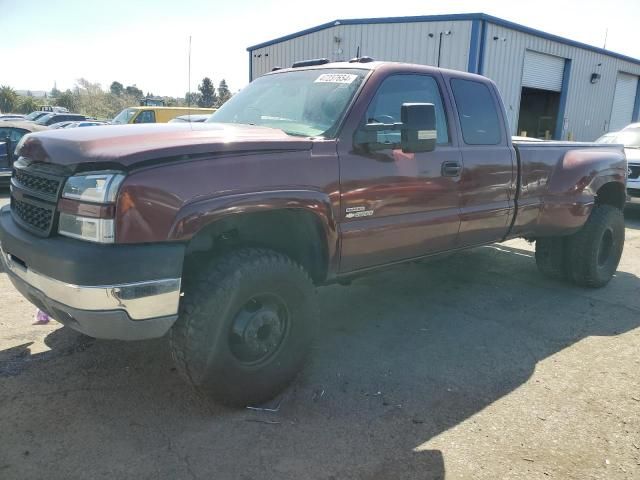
{"points": [[426, 134], [345, 78]]}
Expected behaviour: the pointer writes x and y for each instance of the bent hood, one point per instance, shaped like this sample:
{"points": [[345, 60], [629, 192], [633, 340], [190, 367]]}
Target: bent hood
{"points": [[128, 145]]}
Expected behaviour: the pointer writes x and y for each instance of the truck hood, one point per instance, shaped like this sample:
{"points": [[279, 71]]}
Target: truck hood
{"points": [[128, 145]]}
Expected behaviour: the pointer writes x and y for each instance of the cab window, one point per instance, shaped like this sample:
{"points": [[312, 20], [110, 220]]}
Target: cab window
{"points": [[399, 89], [146, 116], [478, 114]]}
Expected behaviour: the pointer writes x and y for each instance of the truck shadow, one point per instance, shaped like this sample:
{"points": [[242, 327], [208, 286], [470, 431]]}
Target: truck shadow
{"points": [[402, 356]]}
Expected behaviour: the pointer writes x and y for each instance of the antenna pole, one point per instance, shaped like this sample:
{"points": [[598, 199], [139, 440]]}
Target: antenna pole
{"points": [[189, 89], [606, 34]]}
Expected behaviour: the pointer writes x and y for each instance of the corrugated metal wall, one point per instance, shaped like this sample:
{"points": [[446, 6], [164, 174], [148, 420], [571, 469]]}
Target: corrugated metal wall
{"points": [[588, 108], [397, 42]]}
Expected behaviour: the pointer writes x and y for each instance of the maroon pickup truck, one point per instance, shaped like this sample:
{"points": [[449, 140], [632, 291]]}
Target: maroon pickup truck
{"points": [[219, 232]]}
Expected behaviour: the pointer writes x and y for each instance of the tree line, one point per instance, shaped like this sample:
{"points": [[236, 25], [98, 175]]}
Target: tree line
{"points": [[90, 99]]}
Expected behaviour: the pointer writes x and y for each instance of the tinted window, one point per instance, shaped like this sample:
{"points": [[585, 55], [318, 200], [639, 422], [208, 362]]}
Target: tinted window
{"points": [[399, 89], [478, 113], [14, 134], [146, 116]]}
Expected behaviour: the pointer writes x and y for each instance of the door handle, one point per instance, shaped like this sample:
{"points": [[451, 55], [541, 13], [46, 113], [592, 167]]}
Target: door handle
{"points": [[451, 169]]}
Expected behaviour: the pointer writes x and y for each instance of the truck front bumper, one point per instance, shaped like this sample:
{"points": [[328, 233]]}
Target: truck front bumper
{"points": [[125, 292], [633, 191]]}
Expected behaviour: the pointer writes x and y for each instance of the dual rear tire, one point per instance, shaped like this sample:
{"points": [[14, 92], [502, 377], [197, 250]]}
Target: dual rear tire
{"points": [[590, 257]]}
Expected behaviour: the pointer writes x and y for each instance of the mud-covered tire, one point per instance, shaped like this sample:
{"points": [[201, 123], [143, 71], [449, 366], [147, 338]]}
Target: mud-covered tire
{"points": [[551, 257], [594, 252], [210, 344]]}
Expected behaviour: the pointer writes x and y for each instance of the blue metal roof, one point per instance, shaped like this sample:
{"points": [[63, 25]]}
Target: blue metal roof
{"points": [[448, 18]]}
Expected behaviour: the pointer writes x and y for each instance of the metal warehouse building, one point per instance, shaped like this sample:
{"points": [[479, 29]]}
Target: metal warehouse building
{"points": [[552, 87]]}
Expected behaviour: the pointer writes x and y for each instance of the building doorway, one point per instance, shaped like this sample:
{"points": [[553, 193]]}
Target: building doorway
{"points": [[538, 113]]}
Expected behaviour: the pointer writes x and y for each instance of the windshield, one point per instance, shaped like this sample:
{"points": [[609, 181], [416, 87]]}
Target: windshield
{"points": [[124, 116], [34, 115], [306, 103], [629, 138], [44, 119]]}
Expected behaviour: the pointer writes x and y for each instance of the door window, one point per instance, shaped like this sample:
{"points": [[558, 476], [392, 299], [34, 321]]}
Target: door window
{"points": [[399, 89], [146, 116], [14, 134]]}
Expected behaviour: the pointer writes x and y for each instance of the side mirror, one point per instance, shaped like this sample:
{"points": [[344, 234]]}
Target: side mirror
{"points": [[418, 131]]}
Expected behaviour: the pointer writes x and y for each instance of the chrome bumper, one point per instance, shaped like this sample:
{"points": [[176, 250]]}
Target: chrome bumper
{"points": [[141, 301]]}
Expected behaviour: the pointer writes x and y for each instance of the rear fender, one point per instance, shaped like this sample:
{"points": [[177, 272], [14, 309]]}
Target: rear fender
{"points": [[573, 187]]}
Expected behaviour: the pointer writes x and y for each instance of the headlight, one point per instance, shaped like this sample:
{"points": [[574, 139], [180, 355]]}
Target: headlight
{"points": [[87, 210], [96, 187]]}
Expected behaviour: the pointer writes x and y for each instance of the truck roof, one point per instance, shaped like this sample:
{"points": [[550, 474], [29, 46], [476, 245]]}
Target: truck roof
{"points": [[378, 65]]}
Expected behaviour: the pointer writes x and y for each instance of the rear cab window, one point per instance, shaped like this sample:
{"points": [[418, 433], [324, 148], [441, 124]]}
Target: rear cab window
{"points": [[478, 113]]}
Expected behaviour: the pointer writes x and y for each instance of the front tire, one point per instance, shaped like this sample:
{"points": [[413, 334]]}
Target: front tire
{"points": [[245, 326], [593, 253]]}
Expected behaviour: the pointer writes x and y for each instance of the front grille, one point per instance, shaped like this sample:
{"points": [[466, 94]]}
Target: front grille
{"points": [[634, 171], [35, 189], [36, 183], [36, 217]]}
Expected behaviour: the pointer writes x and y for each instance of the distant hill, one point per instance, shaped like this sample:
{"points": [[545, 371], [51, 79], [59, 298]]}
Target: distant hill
{"points": [[34, 93]]}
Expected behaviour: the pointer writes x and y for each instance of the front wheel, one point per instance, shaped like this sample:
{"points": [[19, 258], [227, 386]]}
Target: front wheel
{"points": [[594, 252], [245, 326]]}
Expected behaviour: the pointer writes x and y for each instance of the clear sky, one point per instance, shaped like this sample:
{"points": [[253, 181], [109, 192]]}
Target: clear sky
{"points": [[145, 42]]}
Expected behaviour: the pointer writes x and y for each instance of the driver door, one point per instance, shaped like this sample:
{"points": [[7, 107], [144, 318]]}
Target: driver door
{"points": [[395, 205]]}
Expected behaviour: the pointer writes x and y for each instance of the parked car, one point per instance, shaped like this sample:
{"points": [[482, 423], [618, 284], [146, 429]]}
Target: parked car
{"points": [[55, 126], [85, 123], [232, 223], [10, 116], [33, 116], [156, 114], [5, 170], [51, 118], [190, 118], [11, 132], [49, 108], [630, 138]]}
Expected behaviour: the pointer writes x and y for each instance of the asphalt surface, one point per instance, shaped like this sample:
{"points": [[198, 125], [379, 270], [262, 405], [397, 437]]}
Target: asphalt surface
{"points": [[473, 367]]}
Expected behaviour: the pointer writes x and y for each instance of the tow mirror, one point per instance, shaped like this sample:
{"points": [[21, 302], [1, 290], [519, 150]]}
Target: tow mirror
{"points": [[418, 133], [415, 133]]}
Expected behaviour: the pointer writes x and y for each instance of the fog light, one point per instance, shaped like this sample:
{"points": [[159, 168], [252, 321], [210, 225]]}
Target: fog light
{"points": [[99, 230]]}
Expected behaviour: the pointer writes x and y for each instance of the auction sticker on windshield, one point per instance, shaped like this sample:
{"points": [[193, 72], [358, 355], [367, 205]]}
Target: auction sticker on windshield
{"points": [[336, 78]]}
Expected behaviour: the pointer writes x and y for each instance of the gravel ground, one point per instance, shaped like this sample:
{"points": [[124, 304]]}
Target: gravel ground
{"points": [[473, 367]]}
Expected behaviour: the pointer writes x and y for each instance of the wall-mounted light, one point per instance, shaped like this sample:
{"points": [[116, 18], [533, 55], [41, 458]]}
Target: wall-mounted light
{"points": [[595, 78], [504, 39]]}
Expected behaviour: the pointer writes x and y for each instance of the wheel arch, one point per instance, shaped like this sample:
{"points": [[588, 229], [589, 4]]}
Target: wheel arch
{"points": [[298, 224], [611, 193]]}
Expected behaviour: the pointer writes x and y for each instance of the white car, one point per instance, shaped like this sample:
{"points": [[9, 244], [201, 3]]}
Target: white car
{"points": [[630, 138]]}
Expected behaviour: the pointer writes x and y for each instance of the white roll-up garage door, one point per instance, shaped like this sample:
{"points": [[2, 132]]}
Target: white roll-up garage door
{"points": [[542, 71], [623, 100]]}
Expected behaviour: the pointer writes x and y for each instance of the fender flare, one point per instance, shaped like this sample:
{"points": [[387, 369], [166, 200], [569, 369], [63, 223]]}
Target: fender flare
{"points": [[195, 216]]}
